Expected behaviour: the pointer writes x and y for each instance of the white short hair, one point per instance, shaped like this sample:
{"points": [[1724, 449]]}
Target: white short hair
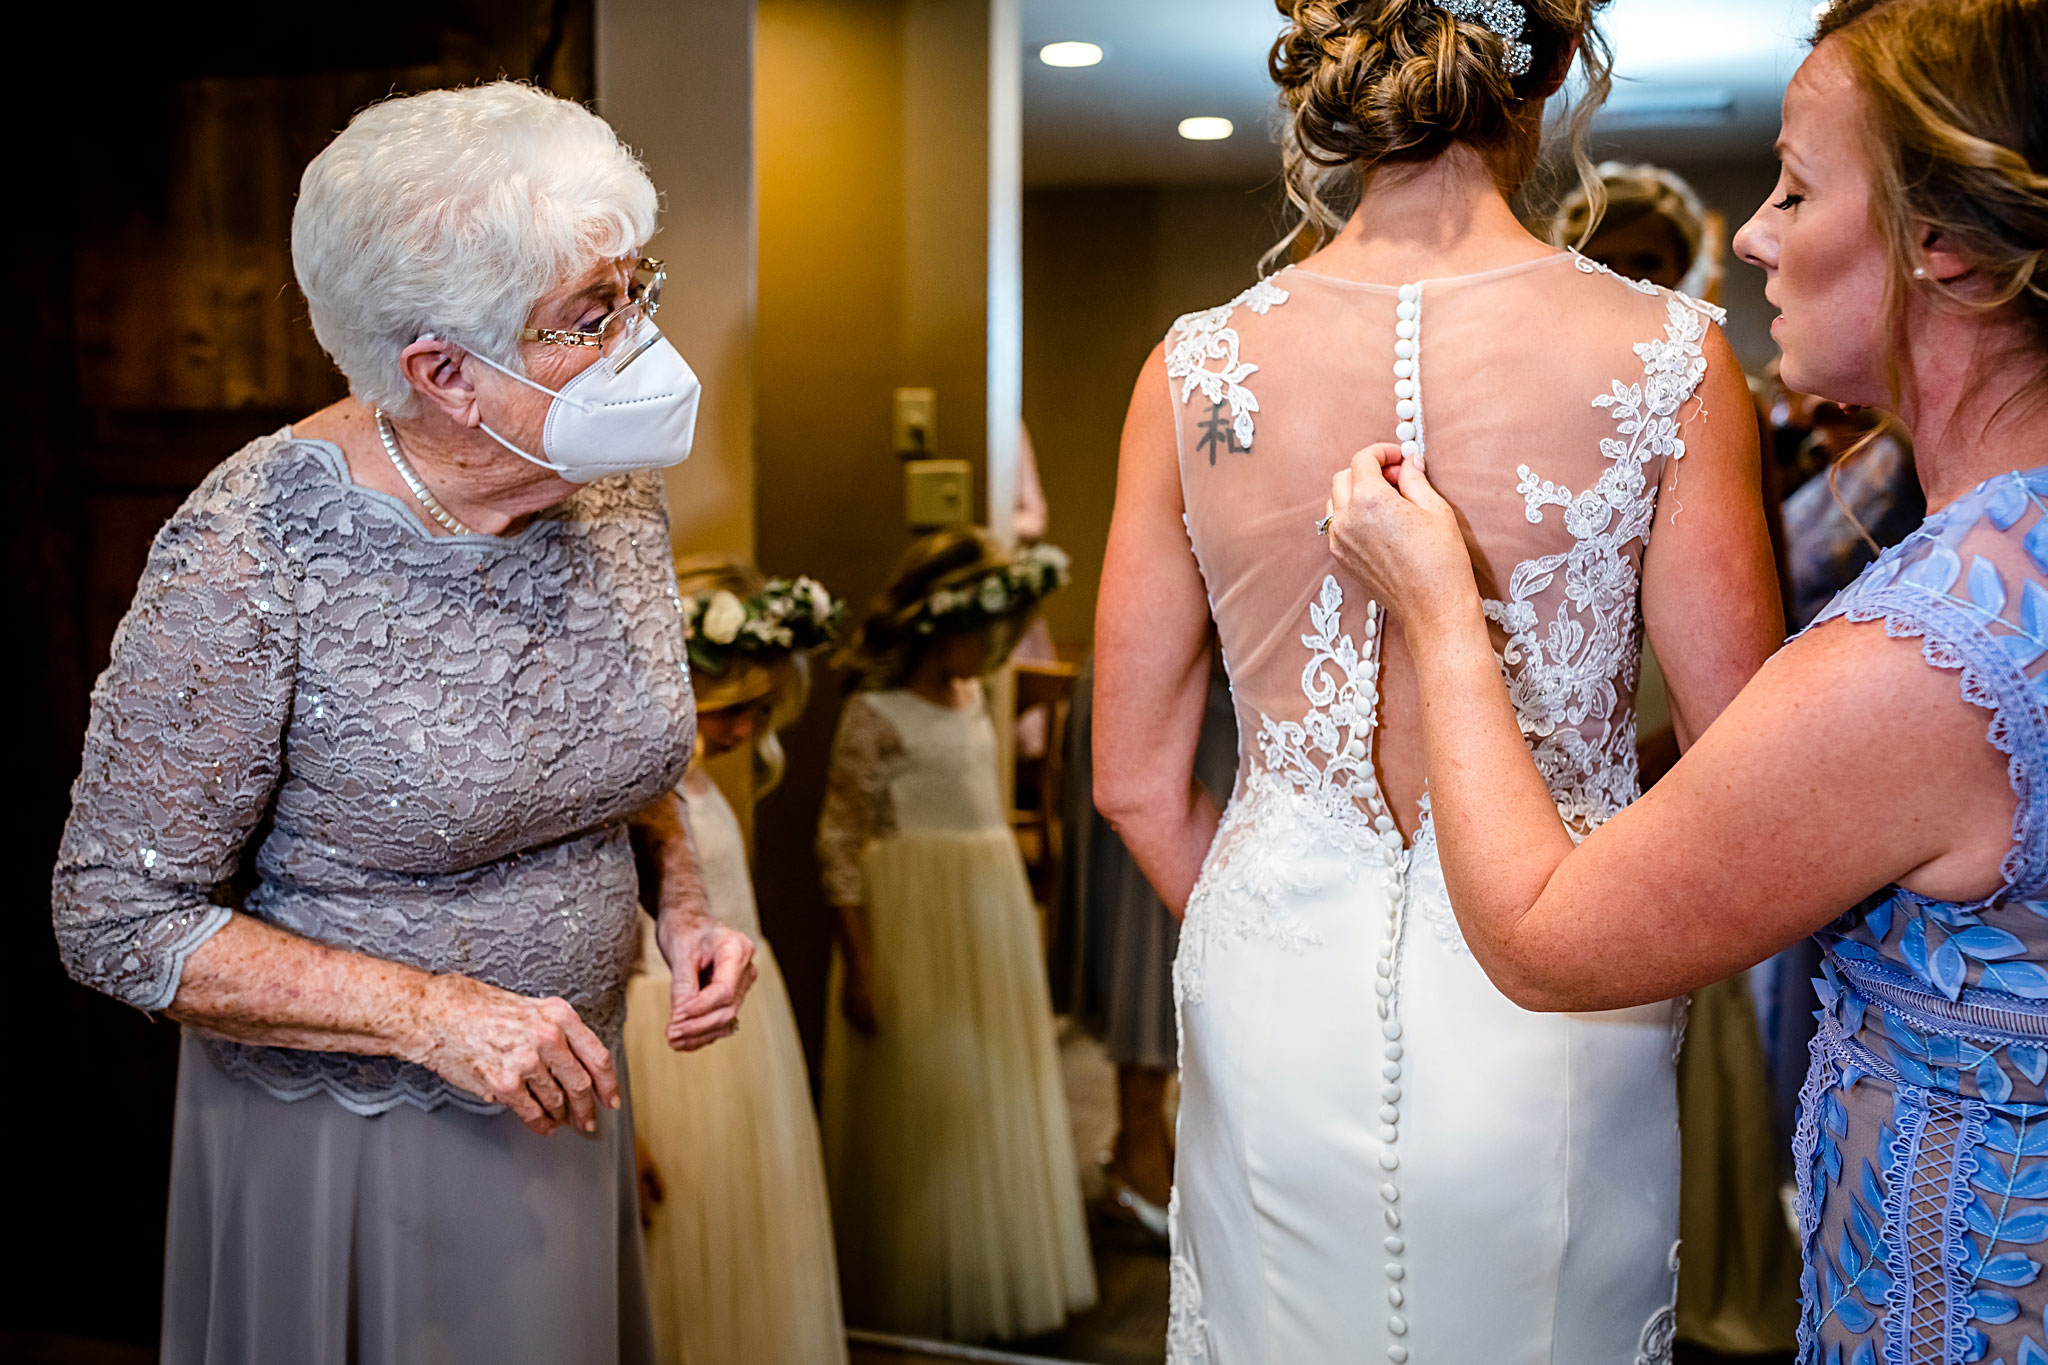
{"points": [[453, 212]]}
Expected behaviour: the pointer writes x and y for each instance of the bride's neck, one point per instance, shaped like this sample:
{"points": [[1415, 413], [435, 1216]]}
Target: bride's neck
{"points": [[1445, 216]]}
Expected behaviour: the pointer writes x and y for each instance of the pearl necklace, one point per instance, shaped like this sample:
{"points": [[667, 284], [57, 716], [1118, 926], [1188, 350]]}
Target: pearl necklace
{"points": [[412, 480]]}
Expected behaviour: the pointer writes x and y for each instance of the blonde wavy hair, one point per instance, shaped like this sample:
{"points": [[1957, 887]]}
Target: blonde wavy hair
{"points": [[1957, 144], [1366, 84]]}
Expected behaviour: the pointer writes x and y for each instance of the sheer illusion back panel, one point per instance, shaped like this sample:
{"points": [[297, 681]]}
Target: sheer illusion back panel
{"points": [[1546, 397]]}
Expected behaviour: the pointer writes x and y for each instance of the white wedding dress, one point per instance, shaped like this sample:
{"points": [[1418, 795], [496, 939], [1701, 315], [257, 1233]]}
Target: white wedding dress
{"points": [[1381, 1158]]}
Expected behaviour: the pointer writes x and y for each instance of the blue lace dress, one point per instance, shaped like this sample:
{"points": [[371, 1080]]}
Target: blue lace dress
{"points": [[1922, 1151]]}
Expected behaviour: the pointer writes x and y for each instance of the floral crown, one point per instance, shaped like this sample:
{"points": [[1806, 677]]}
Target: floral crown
{"points": [[789, 615], [986, 595]]}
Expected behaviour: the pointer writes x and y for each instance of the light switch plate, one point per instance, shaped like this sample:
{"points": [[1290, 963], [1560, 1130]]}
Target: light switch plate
{"points": [[938, 492], [917, 422]]}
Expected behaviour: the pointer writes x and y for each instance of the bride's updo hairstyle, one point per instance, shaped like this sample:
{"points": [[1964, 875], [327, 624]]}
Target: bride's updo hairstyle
{"points": [[1957, 142], [1366, 84]]}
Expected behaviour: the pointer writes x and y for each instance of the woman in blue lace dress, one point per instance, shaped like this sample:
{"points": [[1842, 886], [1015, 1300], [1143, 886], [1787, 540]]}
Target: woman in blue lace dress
{"points": [[1893, 758], [431, 687]]}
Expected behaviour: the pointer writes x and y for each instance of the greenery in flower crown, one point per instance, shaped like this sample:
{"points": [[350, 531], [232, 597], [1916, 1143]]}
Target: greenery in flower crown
{"points": [[787, 616], [1035, 573]]}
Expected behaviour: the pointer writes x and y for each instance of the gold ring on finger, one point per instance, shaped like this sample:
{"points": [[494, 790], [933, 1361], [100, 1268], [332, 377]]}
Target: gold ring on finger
{"points": [[1323, 526]]}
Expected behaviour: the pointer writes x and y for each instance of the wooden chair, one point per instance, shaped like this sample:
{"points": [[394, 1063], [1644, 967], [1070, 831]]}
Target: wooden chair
{"points": [[1035, 806]]}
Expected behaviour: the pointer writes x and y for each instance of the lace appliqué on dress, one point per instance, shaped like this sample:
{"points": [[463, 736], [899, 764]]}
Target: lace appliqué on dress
{"points": [[1569, 676], [866, 753], [1660, 1333], [1198, 339], [1187, 1331], [1293, 805]]}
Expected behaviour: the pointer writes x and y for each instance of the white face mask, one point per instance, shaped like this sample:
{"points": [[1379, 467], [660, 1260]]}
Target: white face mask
{"points": [[607, 421]]}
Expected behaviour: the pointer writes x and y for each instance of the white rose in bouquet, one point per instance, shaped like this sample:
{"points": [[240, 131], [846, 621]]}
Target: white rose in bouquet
{"points": [[723, 618], [820, 600]]}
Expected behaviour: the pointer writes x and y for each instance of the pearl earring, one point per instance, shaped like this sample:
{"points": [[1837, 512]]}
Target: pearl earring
{"points": [[1919, 272]]}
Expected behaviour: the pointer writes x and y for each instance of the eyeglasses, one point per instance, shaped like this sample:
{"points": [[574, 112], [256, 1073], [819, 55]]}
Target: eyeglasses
{"points": [[625, 332]]}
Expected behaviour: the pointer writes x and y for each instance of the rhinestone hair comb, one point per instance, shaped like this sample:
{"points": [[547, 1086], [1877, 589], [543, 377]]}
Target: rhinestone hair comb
{"points": [[1503, 17]]}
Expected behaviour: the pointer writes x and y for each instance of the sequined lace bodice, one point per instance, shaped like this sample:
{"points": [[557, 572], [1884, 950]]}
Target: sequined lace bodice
{"points": [[430, 745]]}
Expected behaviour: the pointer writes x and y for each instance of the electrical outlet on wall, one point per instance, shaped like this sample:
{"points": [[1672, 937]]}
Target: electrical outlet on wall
{"points": [[937, 493], [917, 423]]}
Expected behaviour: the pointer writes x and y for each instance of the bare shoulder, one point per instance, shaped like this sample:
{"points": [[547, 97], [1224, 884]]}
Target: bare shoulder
{"points": [[1856, 726]]}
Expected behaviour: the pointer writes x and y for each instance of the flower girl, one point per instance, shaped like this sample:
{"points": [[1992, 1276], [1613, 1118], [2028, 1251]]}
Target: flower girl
{"points": [[951, 1160], [739, 1236]]}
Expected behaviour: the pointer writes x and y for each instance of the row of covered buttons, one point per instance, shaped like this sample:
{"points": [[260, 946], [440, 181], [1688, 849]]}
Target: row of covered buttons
{"points": [[1408, 409]]}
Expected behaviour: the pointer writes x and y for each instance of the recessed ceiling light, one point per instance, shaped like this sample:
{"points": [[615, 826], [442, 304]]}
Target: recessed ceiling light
{"points": [[1070, 54], [1206, 129]]}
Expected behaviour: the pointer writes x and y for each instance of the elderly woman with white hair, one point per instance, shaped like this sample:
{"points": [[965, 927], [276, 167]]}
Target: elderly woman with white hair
{"points": [[417, 664]]}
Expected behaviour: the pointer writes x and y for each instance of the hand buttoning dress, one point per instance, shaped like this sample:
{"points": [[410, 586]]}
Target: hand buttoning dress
{"points": [[1380, 1157]]}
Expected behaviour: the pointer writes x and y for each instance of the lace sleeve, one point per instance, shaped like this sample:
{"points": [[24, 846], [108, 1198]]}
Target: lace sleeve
{"points": [[182, 750], [857, 806]]}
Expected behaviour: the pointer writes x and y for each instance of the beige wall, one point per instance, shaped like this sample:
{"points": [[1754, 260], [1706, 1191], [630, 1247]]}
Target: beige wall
{"points": [[873, 139], [1106, 271], [676, 80]]}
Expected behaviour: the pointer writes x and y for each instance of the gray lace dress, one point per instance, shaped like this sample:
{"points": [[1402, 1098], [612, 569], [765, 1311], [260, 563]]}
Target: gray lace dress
{"points": [[429, 747]]}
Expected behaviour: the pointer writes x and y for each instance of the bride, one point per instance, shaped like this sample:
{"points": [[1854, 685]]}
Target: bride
{"points": [[1380, 1156]]}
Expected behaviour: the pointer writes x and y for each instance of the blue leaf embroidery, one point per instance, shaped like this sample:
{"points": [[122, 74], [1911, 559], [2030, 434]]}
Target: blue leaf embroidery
{"points": [[1941, 566], [2025, 1228], [1992, 1082], [1948, 969], [2023, 651], [1990, 1306], [1987, 944], [2017, 978], [2011, 1269], [2032, 1061], [1987, 589], [2037, 545], [2034, 609], [1854, 1315], [2007, 506], [1913, 947]]}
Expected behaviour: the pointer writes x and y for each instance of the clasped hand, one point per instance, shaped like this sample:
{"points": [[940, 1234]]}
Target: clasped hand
{"points": [[534, 1056], [1398, 538], [540, 1060], [711, 969]]}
